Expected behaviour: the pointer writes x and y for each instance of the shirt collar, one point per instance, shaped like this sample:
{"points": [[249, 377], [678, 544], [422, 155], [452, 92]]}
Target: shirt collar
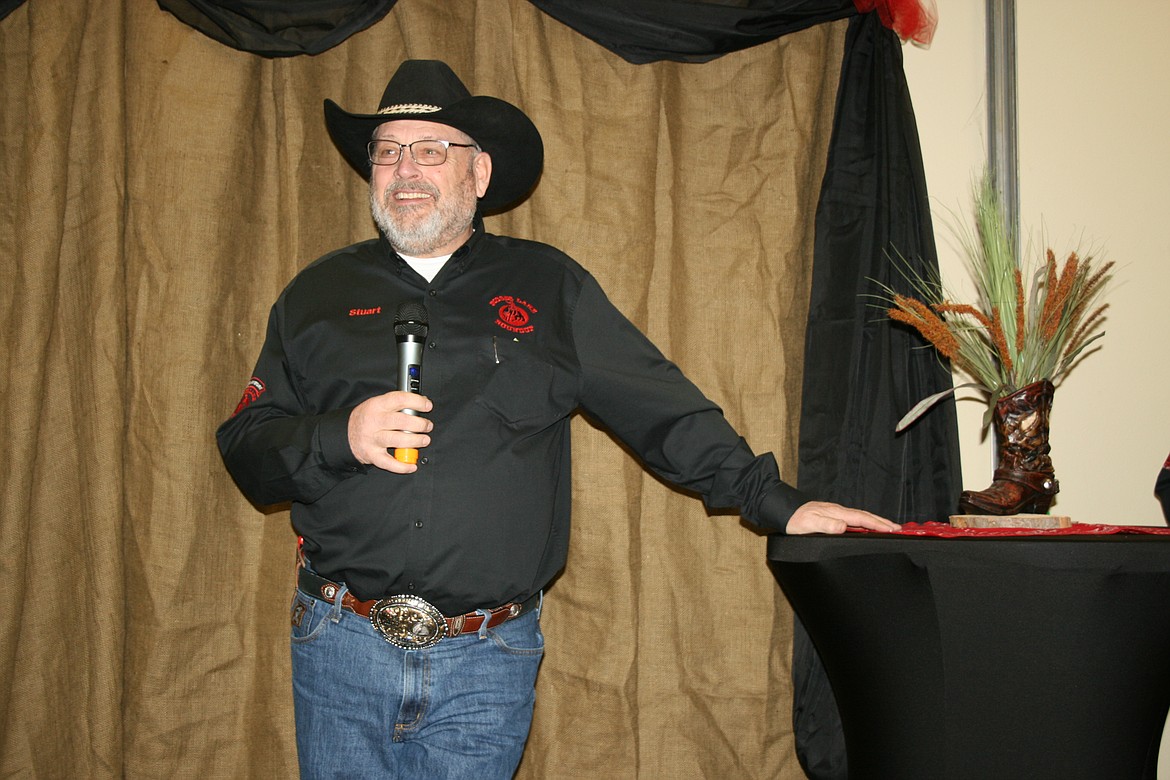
{"points": [[460, 258]]}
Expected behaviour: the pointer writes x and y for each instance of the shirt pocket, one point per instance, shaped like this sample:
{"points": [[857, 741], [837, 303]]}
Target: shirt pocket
{"points": [[526, 391]]}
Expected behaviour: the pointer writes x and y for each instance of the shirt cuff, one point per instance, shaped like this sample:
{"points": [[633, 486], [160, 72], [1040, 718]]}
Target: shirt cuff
{"points": [[333, 439], [778, 506]]}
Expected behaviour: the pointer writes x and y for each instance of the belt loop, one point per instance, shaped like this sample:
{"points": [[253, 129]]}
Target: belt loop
{"points": [[483, 627], [335, 610]]}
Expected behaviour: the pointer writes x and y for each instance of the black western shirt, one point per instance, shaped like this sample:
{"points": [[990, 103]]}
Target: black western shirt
{"points": [[520, 336]]}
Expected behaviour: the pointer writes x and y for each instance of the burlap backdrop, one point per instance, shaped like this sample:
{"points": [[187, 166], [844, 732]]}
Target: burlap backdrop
{"points": [[159, 189]]}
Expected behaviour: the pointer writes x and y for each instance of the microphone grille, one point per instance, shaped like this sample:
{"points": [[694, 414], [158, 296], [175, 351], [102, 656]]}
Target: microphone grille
{"points": [[411, 319]]}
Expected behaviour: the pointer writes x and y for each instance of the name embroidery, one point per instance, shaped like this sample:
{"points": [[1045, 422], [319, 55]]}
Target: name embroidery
{"points": [[365, 312]]}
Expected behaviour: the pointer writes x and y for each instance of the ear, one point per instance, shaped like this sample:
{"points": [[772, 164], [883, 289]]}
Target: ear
{"points": [[483, 173]]}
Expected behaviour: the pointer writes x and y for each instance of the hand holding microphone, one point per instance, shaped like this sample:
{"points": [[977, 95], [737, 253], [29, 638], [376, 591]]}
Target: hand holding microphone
{"points": [[379, 424], [410, 331]]}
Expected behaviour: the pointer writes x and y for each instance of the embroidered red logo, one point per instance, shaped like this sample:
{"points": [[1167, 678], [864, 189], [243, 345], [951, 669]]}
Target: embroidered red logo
{"points": [[513, 314], [365, 312], [251, 393]]}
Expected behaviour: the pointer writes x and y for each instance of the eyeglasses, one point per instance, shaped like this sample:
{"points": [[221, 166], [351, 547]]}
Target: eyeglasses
{"points": [[425, 152]]}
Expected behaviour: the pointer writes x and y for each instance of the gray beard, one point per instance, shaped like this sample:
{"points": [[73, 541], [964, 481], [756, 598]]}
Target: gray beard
{"points": [[419, 238]]}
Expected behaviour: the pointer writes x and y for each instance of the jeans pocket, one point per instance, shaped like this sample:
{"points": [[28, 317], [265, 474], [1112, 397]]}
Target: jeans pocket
{"points": [[521, 636], [309, 617]]}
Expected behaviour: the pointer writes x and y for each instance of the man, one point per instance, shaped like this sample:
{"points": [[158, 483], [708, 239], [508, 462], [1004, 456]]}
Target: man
{"points": [[410, 561], [1162, 489]]}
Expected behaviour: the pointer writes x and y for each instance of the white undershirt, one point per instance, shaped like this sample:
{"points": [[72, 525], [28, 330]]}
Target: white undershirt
{"points": [[427, 267]]}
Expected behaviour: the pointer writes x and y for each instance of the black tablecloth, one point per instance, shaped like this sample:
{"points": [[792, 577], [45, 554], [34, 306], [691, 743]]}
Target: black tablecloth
{"points": [[988, 658]]}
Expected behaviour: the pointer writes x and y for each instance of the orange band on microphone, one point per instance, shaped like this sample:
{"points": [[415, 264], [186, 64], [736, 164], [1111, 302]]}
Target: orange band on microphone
{"points": [[406, 455]]}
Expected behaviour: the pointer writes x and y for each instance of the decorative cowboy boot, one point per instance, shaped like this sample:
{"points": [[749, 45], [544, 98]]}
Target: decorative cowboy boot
{"points": [[1024, 480]]}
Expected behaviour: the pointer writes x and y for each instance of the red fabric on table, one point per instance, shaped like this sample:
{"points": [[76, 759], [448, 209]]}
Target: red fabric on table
{"points": [[1076, 529]]}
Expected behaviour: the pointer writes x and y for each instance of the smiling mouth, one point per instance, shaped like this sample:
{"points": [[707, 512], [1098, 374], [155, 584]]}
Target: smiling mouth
{"points": [[400, 196]]}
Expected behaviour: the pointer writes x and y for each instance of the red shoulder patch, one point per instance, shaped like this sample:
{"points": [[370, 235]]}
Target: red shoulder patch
{"points": [[253, 391]]}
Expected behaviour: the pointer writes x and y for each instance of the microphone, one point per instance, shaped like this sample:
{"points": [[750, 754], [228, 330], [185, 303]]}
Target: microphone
{"points": [[410, 331]]}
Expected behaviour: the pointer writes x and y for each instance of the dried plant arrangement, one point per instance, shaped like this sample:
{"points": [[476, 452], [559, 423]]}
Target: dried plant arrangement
{"points": [[1027, 327]]}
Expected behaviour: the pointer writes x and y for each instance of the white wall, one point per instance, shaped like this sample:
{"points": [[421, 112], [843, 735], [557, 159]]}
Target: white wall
{"points": [[1094, 107], [1094, 147], [948, 89]]}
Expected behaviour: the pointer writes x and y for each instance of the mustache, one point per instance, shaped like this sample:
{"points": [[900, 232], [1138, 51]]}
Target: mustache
{"points": [[416, 186]]}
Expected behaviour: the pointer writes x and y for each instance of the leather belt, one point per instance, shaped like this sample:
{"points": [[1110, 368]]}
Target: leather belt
{"points": [[410, 622]]}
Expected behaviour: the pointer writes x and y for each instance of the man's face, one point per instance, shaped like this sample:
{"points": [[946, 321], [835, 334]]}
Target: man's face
{"points": [[427, 210]]}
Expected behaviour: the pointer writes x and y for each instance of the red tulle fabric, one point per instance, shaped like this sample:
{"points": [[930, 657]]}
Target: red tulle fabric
{"points": [[912, 20], [1076, 529]]}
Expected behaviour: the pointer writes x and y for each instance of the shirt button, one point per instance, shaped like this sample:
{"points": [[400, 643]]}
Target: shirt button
{"points": [[432, 293], [410, 586], [424, 461], [431, 345], [418, 523]]}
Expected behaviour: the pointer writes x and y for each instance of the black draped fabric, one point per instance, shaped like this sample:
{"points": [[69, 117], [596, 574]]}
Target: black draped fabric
{"points": [[862, 372], [283, 29], [641, 32], [8, 6], [689, 30]]}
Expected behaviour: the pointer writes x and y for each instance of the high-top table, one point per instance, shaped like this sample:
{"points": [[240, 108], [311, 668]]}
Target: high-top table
{"points": [[990, 658]]}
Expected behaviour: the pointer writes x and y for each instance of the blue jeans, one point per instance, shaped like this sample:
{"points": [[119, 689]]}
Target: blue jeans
{"points": [[367, 709]]}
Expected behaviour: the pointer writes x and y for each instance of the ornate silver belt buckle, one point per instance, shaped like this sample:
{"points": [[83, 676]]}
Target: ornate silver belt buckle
{"points": [[409, 622]]}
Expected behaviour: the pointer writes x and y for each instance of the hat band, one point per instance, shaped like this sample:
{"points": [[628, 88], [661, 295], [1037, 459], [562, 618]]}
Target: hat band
{"points": [[409, 108]]}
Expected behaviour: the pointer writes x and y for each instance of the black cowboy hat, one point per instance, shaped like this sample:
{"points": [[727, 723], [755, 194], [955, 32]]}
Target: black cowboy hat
{"points": [[429, 90]]}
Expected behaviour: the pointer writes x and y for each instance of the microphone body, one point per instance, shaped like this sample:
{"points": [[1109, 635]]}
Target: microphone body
{"points": [[410, 332]]}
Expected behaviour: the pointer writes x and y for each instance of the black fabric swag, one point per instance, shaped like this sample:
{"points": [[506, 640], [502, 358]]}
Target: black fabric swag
{"points": [[861, 372], [646, 31]]}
